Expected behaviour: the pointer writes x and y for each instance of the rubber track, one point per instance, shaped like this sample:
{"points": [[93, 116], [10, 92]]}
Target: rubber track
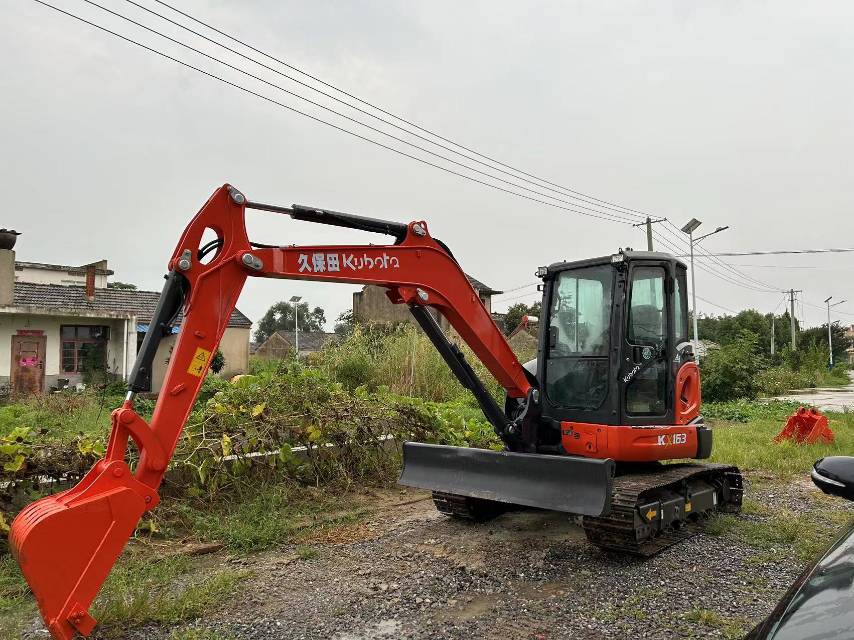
{"points": [[467, 508], [617, 531]]}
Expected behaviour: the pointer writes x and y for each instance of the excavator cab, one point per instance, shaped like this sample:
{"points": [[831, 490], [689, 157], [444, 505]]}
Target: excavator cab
{"points": [[613, 347]]}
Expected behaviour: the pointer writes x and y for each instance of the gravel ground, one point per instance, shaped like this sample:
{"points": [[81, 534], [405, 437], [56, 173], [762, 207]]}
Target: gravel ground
{"points": [[410, 572]]}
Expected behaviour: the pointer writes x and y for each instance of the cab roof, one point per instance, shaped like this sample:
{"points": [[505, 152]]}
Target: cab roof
{"points": [[628, 255]]}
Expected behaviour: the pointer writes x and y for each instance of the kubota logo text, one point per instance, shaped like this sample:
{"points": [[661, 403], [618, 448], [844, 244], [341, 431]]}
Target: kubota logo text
{"points": [[672, 438]]}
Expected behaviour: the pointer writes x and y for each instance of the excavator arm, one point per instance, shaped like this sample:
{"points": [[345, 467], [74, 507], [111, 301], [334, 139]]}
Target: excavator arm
{"points": [[66, 544]]}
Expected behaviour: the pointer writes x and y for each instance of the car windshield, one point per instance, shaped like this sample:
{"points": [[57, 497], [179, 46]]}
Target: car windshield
{"points": [[821, 608]]}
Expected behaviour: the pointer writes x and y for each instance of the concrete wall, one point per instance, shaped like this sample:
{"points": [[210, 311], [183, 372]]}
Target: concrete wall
{"points": [[7, 276], [372, 305], [235, 349], [50, 325], [234, 346], [50, 276]]}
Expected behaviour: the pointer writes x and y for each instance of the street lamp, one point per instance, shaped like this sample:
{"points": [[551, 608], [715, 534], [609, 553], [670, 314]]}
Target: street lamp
{"points": [[829, 332], [689, 228], [293, 301]]}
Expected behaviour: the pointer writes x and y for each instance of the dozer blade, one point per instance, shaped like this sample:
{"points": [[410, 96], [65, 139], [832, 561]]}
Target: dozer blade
{"points": [[67, 543], [561, 483]]}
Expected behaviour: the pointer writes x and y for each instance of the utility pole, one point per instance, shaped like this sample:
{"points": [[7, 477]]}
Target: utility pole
{"points": [[294, 300], [829, 332], [689, 228], [773, 334], [648, 224], [792, 293]]}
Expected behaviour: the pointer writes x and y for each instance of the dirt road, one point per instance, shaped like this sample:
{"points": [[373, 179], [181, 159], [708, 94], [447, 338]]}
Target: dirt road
{"points": [[409, 572]]}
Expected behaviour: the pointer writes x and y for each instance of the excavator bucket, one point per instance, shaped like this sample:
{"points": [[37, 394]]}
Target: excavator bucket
{"points": [[67, 543], [576, 485], [806, 426]]}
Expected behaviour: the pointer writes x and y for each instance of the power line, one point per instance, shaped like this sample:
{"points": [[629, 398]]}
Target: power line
{"points": [[520, 296], [704, 253], [709, 269], [520, 287], [315, 118], [623, 209], [596, 213], [364, 111], [777, 253], [719, 306]]}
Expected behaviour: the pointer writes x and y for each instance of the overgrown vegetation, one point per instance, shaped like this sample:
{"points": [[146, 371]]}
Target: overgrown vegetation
{"points": [[744, 433], [267, 459], [742, 366]]}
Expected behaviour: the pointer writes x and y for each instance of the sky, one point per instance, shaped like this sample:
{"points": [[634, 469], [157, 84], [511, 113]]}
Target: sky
{"points": [[735, 113]]}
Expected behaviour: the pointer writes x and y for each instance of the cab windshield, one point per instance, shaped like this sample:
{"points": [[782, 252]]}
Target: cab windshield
{"points": [[579, 337]]}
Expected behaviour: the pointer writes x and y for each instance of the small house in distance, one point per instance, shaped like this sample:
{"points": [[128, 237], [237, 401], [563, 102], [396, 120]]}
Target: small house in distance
{"points": [[59, 323], [372, 305], [282, 344]]}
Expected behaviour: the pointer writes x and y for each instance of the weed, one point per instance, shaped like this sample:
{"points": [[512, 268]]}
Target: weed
{"points": [[751, 447], [731, 628], [17, 606], [198, 634], [306, 552], [168, 590], [261, 517]]}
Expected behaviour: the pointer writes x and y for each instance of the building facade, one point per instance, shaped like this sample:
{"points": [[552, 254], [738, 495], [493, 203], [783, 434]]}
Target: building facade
{"points": [[60, 323], [282, 344], [371, 304]]}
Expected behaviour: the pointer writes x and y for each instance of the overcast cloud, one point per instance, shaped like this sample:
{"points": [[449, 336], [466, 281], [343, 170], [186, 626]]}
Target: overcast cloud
{"points": [[737, 113]]}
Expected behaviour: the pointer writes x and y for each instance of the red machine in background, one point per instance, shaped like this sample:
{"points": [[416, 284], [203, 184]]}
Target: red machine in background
{"points": [[614, 391], [806, 426]]}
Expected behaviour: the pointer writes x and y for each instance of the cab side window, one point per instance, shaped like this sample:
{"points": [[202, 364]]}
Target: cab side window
{"points": [[647, 318]]}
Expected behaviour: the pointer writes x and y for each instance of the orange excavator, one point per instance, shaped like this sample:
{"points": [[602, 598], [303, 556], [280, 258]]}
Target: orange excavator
{"points": [[586, 426]]}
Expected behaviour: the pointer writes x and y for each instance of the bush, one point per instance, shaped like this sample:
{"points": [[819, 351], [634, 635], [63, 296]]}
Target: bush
{"points": [[401, 359], [730, 373], [747, 411], [775, 381]]}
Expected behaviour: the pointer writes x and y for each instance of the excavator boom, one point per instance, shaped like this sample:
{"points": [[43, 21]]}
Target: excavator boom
{"points": [[66, 544]]}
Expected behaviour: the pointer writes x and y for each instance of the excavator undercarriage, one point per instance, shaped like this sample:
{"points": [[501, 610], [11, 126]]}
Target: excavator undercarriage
{"points": [[590, 428]]}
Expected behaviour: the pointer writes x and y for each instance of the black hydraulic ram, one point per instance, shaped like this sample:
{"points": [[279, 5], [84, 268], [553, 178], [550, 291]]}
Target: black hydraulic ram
{"points": [[336, 219]]}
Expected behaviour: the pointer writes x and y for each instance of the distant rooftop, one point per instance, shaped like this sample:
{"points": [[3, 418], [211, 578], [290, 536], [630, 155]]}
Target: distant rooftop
{"points": [[482, 288], [81, 270], [117, 301]]}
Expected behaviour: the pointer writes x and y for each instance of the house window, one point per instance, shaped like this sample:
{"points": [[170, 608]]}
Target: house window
{"points": [[84, 347]]}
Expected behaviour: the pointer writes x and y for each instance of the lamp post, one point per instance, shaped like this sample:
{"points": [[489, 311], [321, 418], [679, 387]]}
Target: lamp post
{"points": [[829, 332], [689, 228], [294, 300]]}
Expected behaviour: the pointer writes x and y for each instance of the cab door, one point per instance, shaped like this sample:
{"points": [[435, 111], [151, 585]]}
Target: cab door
{"points": [[645, 375]]}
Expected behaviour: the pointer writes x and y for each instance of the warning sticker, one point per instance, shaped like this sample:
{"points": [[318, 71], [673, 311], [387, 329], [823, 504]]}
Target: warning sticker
{"points": [[199, 362]]}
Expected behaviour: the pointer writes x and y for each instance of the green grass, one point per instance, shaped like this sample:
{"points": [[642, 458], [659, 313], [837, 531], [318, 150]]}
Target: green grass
{"points": [[782, 533], [750, 445], [17, 607], [306, 552], [142, 590], [258, 518], [731, 628]]}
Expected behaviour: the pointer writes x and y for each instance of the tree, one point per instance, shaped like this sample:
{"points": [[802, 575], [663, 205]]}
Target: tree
{"points": [[218, 362], [345, 322], [725, 330], [280, 317], [127, 286], [517, 311], [730, 373], [816, 338]]}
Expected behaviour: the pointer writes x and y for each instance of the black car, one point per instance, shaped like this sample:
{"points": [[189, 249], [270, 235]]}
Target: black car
{"points": [[820, 604]]}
